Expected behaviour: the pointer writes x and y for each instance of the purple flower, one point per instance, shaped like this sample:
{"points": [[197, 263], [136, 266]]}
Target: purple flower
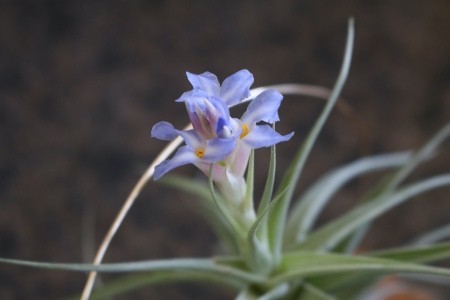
{"points": [[234, 89], [216, 138], [263, 108]]}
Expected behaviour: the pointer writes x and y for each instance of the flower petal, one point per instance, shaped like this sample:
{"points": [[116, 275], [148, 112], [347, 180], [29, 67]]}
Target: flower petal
{"points": [[192, 96], [183, 156], [208, 114], [263, 108], [222, 118], [192, 138], [195, 105], [164, 131], [236, 87], [264, 136], [206, 82], [218, 149], [239, 161]]}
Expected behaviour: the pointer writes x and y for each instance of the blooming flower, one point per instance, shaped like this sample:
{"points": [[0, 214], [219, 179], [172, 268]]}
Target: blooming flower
{"points": [[216, 138]]}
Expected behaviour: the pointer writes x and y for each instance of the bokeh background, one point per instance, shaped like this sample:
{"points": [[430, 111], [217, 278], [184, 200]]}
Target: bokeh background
{"points": [[82, 83]]}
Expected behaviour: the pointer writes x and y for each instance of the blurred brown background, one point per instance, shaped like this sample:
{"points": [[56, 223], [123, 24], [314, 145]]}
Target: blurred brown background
{"points": [[82, 82]]}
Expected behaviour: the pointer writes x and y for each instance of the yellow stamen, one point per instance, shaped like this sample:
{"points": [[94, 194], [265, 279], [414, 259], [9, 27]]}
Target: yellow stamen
{"points": [[200, 152], [244, 132]]}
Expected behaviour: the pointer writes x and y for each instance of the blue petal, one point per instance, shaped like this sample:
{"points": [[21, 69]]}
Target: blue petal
{"points": [[223, 114], [183, 156], [236, 87], [193, 100], [263, 108], [192, 138], [185, 96], [218, 149], [208, 115], [264, 136], [193, 96], [206, 82], [164, 131]]}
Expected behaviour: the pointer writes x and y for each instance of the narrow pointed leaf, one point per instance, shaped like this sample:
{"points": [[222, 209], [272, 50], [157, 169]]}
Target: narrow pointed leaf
{"points": [[278, 292], [133, 282], [174, 266], [222, 227], [312, 292], [310, 264], [278, 216], [237, 231], [422, 154], [309, 206], [361, 280], [248, 199], [422, 254], [259, 250], [331, 234], [393, 181], [434, 236], [268, 189]]}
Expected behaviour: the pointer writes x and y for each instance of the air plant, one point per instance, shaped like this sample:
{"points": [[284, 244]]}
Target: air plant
{"points": [[274, 250]]}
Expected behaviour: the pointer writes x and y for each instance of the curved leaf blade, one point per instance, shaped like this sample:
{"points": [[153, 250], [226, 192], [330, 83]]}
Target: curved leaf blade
{"points": [[222, 227], [419, 253], [309, 206], [360, 280], [308, 264], [331, 234], [278, 216], [193, 265], [133, 282]]}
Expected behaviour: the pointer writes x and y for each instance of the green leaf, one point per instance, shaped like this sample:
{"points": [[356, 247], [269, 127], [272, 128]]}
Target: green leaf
{"points": [[392, 182], [335, 231], [424, 153], [132, 282], [309, 264], [259, 257], [309, 206], [247, 205], [200, 266], [312, 292], [222, 227], [195, 187], [278, 215], [434, 236], [420, 253], [276, 293], [358, 281], [347, 285], [268, 189], [238, 232]]}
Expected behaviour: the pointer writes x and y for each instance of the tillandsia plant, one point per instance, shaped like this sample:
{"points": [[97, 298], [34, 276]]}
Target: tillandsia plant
{"points": [[275, 250]]}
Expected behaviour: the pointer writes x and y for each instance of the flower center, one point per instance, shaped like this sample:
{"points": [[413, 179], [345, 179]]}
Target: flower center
{"points": [[200, 152], [244, 132]]}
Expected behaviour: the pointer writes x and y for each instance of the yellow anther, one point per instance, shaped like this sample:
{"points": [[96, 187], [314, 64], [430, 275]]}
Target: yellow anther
{"points": [[245, 131], [200, 152]]}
